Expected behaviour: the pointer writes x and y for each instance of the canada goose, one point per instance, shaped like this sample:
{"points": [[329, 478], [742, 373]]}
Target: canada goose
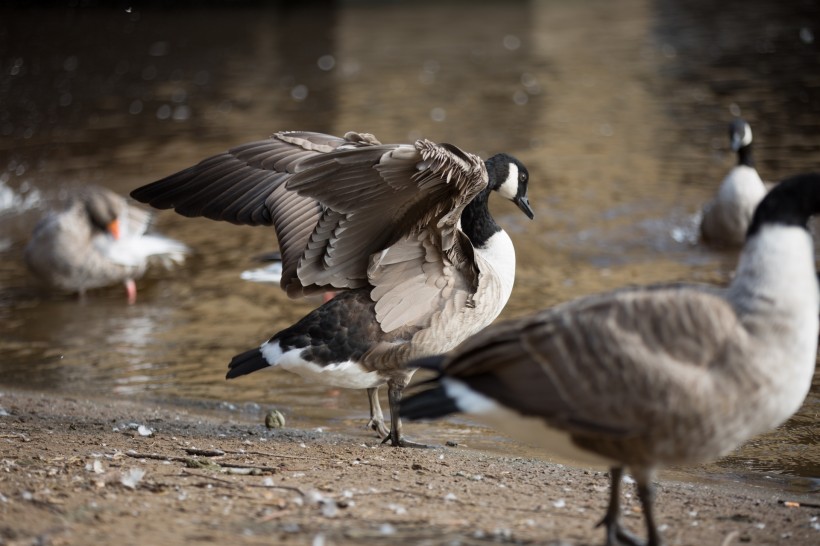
{"points": [[657, 375], [97, 240], [402, 232], [726, 217]]}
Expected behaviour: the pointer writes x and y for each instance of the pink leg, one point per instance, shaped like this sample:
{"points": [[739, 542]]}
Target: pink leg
{"points": [[131, 289]]}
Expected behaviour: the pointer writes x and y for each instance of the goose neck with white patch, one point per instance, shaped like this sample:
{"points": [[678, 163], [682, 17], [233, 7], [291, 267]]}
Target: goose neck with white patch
{"points": [[510, 178], [777, 263], [775, 289], [740, 137]]}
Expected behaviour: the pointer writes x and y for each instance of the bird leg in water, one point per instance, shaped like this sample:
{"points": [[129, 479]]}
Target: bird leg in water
{"points": [[131, 290], [376, 416]]}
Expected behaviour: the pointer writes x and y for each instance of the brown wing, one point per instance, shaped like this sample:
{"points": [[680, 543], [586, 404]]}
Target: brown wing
{"points": [[415, 280], [576, 365], [333, 202]]}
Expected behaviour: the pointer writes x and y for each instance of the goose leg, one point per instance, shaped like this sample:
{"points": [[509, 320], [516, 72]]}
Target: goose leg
{"points": [[394, 392], [646, 492], [615, 534], [376, 416]]}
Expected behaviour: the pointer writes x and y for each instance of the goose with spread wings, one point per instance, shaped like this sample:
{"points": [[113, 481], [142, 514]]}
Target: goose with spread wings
{"points": [[401, 232]]}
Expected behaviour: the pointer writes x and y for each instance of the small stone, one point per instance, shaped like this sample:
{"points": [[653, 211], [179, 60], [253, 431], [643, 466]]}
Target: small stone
{"points": [[386, 529], [274, 419], [142, 430]]}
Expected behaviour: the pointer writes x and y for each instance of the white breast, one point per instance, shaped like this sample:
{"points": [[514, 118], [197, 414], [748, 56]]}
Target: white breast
{"points": [[496, 261]]}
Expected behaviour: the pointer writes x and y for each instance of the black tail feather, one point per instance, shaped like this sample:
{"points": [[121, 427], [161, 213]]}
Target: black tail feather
{"points": [[429, 404], [245, 363]]}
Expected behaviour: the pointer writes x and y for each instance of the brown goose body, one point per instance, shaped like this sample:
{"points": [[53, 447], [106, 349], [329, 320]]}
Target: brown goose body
{"points": [[646, 377]]}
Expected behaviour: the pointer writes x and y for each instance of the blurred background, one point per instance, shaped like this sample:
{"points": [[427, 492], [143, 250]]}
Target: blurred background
{"points": [[619, 110]]}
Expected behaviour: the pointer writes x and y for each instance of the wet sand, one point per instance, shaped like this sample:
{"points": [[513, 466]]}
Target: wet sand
{"points": [[98, 471]]}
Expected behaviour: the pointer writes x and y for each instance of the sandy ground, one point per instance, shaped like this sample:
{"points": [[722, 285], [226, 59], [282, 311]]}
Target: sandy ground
{"points": [[80, 471]]}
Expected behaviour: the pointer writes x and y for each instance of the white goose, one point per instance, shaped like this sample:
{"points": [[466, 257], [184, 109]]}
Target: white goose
{"points": [[401, 232], [657, 375], [97, 240], [726, 217]]}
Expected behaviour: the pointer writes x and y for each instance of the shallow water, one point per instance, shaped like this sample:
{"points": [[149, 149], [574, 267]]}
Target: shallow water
{"points": [[618, 109]]}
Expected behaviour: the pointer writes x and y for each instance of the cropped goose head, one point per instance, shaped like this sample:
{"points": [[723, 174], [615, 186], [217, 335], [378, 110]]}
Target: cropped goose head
{"points": [[97, 240], [104, 209], [510, 179], [740, 134], [400, 232], [726, 217], [659, 375]]}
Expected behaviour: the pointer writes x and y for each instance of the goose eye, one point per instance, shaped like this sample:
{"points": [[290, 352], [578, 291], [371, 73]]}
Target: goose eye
{"points": [[522, 177]]}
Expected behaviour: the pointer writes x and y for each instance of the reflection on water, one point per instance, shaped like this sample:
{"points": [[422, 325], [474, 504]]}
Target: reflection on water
{"points": [[619, 112]]}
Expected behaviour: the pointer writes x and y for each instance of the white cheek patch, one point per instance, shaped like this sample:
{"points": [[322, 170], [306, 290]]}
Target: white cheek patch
{"points": [[747, 135], [509, 188]]}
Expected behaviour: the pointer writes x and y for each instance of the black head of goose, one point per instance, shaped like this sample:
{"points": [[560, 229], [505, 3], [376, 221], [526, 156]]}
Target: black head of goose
{"points": [[97, 240], [401, 232], [726, 217], [652, 376]]}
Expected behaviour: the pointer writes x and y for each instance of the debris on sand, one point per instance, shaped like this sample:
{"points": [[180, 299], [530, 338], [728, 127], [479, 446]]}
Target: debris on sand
{"points": [[132, 477]]}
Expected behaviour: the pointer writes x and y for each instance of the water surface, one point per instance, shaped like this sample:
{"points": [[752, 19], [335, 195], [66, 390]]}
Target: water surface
{"points": [[618, 109]]}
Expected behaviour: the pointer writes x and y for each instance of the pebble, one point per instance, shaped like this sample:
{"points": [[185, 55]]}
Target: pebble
{"points": [[274, 419]]}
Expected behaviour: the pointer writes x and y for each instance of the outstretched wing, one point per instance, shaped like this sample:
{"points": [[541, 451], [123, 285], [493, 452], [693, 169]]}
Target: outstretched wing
{"points": [[333, 201]]}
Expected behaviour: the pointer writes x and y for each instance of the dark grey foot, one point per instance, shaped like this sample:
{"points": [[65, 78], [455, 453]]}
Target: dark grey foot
{"points": [[380, 428], [618, 536], [403, 442]]}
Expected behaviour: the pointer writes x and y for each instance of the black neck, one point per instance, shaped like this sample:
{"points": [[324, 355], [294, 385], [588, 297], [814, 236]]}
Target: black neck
{"points": [[744, 156], [477, 222], [791, 202]]}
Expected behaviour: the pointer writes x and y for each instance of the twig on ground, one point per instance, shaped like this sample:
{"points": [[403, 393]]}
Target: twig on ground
{"points": [[273, 455], [240, 484], [798, 504], [204, 452], [730, 537]]}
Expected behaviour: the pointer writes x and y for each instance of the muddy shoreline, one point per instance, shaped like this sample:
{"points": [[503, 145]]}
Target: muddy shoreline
{"points": [[93, 471]]}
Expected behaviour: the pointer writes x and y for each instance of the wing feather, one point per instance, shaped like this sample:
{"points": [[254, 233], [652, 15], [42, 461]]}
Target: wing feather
{"points": [[334, 203]]}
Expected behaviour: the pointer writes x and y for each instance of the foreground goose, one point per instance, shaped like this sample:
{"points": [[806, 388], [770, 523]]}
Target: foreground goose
{"points": [[401, 232], [652, 376], [97, 240], [726, 217]]}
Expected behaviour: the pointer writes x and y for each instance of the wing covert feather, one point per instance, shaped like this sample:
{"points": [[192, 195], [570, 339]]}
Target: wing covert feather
{"points": [[334, 202]]}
